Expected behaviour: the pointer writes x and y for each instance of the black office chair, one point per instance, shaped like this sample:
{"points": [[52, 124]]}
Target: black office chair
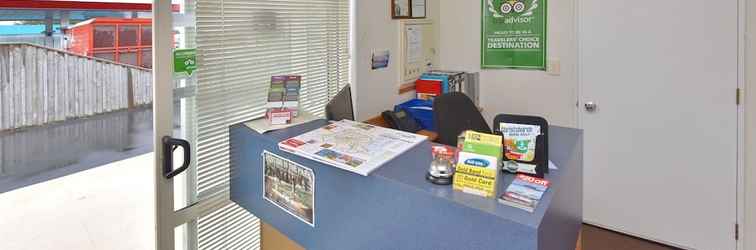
{"points": [[340, 107], [542, 141], [454, 113]]}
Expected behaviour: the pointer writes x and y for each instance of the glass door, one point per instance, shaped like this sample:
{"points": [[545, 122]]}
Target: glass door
{"points": [[193, 209], [239, 46]]}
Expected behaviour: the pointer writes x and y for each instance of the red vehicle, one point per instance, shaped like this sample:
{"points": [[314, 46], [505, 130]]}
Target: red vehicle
{"points": [[124, 40]]}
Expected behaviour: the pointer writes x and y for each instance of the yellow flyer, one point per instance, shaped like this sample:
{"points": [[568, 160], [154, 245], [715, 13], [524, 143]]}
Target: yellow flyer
{"points": [[476, 174]]}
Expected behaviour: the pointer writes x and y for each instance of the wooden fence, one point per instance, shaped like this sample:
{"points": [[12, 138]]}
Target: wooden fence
{"points": [[55, 41], [39, 85]]}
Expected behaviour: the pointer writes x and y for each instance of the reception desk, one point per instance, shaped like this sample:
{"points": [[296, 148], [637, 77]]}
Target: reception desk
{"points": [[395, 208]]}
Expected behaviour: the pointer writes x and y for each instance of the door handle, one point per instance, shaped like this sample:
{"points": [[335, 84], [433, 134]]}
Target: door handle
{"points": [[591, 106], [169, 146]]}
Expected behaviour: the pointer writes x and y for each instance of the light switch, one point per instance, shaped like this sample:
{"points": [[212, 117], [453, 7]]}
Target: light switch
{"points": [[554, 67]]}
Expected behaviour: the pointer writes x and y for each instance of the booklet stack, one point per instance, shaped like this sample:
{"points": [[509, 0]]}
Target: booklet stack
{"points": [[478, 164], [525, 192]]}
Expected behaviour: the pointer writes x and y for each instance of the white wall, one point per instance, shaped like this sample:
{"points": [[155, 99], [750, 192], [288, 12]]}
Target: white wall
{"points": [[515, 91], [502, 91], [377, 90], [509, 91]]}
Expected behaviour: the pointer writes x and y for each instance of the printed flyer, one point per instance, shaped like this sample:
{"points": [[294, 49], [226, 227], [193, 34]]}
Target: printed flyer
{"points": [[513, 34], [478, 164], [289, 186]]}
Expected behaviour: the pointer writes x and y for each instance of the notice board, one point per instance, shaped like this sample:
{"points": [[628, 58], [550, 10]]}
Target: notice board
{"points": [[419, 49]]}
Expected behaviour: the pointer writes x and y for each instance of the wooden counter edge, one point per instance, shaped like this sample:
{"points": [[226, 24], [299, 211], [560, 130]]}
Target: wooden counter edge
{"points": [[380, 122]]}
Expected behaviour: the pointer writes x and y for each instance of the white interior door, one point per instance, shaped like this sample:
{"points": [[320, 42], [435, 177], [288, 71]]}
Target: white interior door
{"points": [[661, 139]]}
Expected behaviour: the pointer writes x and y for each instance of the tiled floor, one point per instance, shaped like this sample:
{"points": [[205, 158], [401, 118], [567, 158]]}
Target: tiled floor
{"points": [[108, 207]]}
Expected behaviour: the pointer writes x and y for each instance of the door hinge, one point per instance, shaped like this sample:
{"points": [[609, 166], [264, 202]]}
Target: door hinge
{"points": [[737, 96], [737, 231]]}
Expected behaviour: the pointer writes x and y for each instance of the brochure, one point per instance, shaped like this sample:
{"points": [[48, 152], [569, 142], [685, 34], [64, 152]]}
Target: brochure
{"points": [[262, 125], [352, 146], [482, 143], [520, 141], [525, 192], [284, 93], [276, 91], [478, 164], [476, 174]]}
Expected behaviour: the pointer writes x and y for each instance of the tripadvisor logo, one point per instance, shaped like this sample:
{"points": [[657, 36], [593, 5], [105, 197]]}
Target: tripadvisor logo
{"points": [[502, 8]]}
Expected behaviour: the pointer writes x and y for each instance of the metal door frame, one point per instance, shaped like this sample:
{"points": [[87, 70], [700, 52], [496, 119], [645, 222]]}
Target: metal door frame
{"points": [[166, 219]]}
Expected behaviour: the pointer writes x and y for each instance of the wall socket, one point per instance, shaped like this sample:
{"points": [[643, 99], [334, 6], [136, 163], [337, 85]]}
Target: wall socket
{"points": [[554, 66]]}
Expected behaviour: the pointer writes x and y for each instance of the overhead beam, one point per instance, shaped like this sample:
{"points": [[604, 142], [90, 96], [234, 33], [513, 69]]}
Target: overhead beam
{"points": [[77, 5]]}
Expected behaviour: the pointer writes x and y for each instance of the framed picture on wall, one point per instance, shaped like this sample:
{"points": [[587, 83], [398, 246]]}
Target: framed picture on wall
{"points": [[400, 9], [408, 9], [418, 8]]}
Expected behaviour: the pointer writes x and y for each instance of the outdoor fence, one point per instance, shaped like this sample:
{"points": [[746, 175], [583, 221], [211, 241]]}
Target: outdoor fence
{"points": [[40, 85], [54, 41]]}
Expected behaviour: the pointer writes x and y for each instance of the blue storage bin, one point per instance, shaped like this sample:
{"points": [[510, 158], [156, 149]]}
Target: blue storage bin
{"points": [[421, 110]]}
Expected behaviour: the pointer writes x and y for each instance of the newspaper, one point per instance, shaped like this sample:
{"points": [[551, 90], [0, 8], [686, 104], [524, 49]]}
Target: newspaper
{"points": [[352, 146]]}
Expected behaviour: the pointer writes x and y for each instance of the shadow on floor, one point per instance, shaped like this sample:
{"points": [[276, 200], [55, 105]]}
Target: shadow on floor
{"points": [[39, 154], [595, 238]]}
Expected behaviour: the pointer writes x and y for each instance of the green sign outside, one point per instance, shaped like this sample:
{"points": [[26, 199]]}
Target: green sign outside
{"points": [[514, 34], [184, 61]]}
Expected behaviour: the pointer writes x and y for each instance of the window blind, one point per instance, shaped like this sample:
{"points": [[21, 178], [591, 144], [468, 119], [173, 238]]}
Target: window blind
{"points": [[240, 45]]}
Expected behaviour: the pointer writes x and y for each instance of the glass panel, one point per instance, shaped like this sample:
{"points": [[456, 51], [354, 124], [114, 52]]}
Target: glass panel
{"points": [[127, 35], [105, 55], [146, 36], [184, 107], [104, 36], [180, 236], [86, 140], [146, 58], [183, 119], [128, 58]]}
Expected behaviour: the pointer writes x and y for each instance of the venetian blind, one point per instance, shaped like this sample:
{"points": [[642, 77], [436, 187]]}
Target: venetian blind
{"points": [[240, 45]]}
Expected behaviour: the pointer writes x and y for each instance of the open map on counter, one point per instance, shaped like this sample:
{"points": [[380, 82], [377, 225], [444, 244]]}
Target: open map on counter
{"points": [[352, 146]]}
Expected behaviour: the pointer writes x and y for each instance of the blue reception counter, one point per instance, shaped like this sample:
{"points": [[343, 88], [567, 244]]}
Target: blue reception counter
{"points": [[395, 208]]}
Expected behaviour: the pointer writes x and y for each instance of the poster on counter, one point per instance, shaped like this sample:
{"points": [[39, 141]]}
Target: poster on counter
{"points": [[513, 34], [289, 186]]}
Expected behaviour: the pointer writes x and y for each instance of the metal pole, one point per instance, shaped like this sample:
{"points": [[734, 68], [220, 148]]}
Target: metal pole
{"points": [[49, 41], [64, 23]]}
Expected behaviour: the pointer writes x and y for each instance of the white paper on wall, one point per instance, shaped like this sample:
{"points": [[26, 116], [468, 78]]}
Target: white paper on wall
{"points": [[414, 43]]}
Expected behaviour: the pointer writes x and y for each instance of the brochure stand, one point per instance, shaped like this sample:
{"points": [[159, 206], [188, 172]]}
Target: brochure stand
{"points": [[541, 159]]}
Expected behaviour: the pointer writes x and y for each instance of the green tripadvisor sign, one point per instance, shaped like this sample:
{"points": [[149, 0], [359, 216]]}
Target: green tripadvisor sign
{"points": [[514, 34], [184, 62]]}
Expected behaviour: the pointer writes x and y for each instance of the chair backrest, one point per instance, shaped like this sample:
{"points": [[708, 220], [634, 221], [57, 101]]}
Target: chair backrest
{"points": [[542, 141], [340, 107], [454, 113]]}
